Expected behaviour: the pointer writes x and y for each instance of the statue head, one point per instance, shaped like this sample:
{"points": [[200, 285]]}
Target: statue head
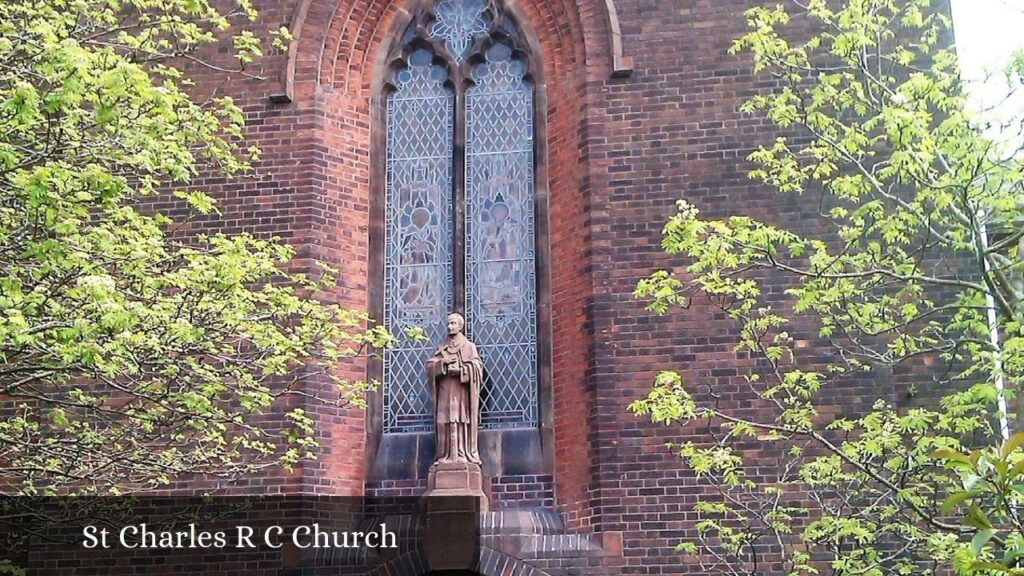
{"points": [[455, 323]]}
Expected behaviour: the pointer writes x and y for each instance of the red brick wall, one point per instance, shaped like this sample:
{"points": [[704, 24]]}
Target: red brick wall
{"points": [[670, 131], [621, 151], [313, 185]]}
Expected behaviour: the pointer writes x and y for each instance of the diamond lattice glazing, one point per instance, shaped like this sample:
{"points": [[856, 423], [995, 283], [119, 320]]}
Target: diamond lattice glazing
{"points": [[418, 236], [501, 294]]}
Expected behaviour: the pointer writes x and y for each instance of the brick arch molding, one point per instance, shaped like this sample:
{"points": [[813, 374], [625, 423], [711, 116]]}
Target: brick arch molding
{"points": [[338, 61], [353, 21]]}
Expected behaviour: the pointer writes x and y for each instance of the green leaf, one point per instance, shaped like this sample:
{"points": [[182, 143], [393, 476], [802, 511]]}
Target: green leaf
{"points": [[980, 539], [953, 500], [952, 456], [977, 518], [1012, 443]]}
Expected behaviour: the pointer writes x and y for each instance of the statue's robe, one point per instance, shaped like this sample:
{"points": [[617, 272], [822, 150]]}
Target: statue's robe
{"points": [[457, 399]]}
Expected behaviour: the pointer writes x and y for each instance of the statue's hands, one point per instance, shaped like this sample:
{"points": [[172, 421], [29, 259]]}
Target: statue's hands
{"points": [[454, 369]]}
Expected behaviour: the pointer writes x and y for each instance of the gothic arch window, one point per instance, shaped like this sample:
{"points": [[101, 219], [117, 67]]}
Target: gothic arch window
{"points": [[461, 208]]}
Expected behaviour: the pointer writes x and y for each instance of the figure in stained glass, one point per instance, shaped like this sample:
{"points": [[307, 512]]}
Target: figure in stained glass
{"points": [[501, 235], [421, 282]]}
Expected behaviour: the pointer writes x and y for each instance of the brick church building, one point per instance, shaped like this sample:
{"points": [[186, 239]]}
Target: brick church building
{"points": [[514, 160]]}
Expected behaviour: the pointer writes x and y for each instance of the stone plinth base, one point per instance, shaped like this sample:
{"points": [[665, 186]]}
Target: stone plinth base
{"points": [[460, 479], [456, 496]]}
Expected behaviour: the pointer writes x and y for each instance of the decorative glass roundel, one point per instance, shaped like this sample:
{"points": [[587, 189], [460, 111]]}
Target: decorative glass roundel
{"points": [[458, 23]]}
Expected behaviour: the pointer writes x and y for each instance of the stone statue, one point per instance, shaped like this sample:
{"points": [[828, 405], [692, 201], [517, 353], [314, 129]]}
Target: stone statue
{"points": [[456, 372]]}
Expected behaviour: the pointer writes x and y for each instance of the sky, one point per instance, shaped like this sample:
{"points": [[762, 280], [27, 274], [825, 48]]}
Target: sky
{"points": [[987, 33]]}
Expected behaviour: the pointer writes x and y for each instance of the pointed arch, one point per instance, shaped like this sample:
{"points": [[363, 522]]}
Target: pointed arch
{"points": [[494, 250], [308, 12], [340, 65]]}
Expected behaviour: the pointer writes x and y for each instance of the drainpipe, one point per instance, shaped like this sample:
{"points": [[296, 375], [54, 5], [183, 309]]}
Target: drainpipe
{"points": [[993, 336]]}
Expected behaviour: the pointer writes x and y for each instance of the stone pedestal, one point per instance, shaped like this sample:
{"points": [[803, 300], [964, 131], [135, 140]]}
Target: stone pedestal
{"points": [[456, 496], [460, 479]]}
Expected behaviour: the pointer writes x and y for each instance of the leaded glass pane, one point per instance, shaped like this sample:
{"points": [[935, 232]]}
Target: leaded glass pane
{"points": [[501, 293], [458, 23], [418, 235]]}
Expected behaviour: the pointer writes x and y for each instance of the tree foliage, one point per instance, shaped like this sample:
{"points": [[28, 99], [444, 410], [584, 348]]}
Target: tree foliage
{"points": [[917, 275], [128, 356]]}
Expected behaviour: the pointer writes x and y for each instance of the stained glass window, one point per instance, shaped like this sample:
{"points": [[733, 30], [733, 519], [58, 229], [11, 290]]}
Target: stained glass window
{"points": [[418, 235], [501, 293], [495, 200], [458, 23]]}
